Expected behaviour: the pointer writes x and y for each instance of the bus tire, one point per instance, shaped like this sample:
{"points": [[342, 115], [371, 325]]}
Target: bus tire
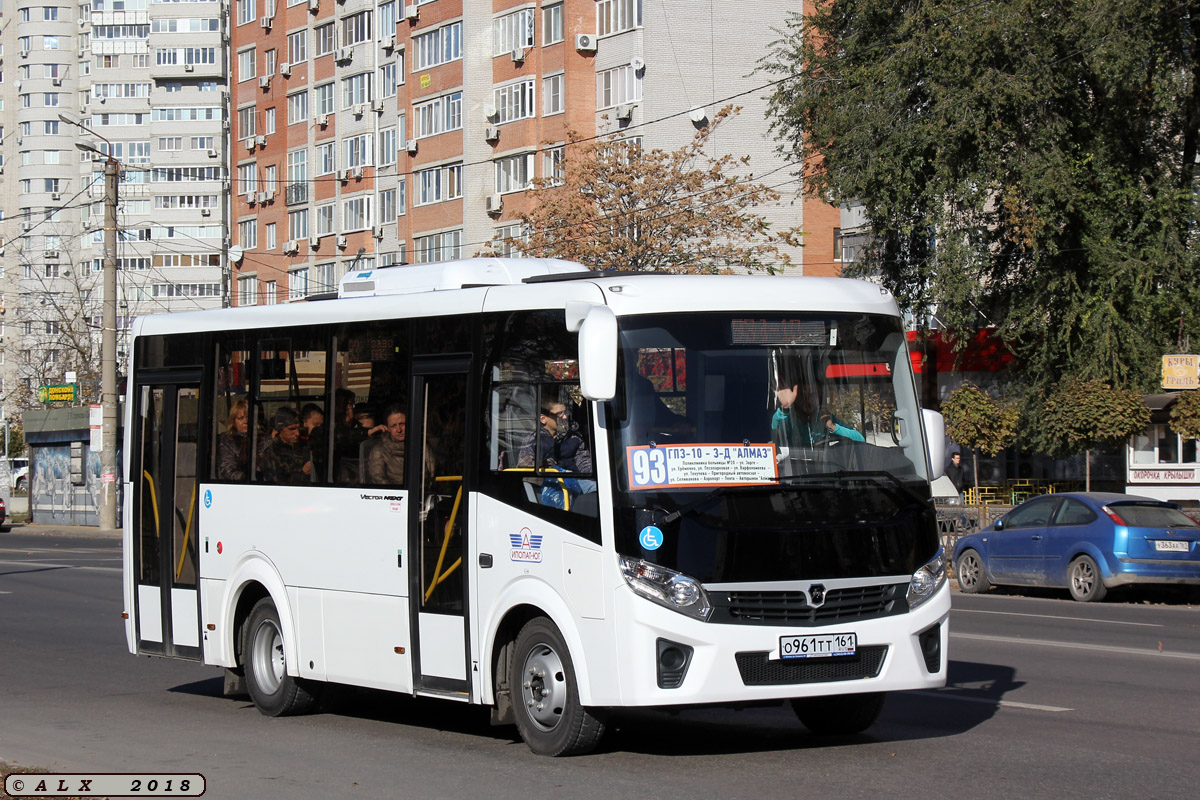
{"points": [[839, 714], [549, 716], [274, 692]]}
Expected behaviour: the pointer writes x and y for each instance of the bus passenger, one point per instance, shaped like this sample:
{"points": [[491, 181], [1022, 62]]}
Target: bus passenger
{"points": [[798, 422], [286, 459], [233, 447], [385, 461], [313, 435]]}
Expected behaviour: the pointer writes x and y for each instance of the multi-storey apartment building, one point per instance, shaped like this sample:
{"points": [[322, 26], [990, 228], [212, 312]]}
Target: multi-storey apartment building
{"points": [[373, 133], [146, 81]]}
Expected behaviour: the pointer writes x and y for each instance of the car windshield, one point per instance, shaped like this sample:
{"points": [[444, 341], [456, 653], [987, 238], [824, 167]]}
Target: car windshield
{"points": [[770, 446], [1153, 516]]}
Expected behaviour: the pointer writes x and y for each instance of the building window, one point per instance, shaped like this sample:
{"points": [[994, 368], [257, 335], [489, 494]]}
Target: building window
{"points": [[248, 291], [356, 89], [325, 39], [439, 115], [272, 241], [438, 247], [614, 16], [514, 101], [388, 147], [438, 184], [327, 158], [552, 24], [325, 219], [357, 214], [247, 122], [509, 239], [439, 46], [248, 234], [358, 150], [387, 80], [356, 28], [247, 60], [552, 95], [618, 85], [298, 284], [298, 224], [552, 165], [323, 99], [513, 173], [387, 206], [269, 293], [512, 32], [246, 11], [297, 47], [297, 104]]}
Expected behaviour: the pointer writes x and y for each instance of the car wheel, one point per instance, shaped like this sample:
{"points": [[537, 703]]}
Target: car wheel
{"points": [[839, 715], [1085, 580], [549, 716], [972, 574], [274, 692], [20, 487]]}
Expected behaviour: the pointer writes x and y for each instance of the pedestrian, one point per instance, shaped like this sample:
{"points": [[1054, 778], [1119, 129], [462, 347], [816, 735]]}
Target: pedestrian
{"points": [[956, 471]]}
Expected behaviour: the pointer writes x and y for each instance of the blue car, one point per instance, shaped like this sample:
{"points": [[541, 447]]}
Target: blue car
{"points": [[1088, 542]]}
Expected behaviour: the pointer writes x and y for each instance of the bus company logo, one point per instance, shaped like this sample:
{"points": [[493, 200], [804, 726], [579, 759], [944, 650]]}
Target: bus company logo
{"points": [[526, 546]]}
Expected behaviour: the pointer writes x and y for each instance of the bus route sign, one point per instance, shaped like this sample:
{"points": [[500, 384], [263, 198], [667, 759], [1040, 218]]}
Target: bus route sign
{"points": [[62, 393], [669, 466]]}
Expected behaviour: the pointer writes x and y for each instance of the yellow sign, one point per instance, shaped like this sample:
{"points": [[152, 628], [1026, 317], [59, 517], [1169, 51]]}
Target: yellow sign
{"points": [[426, 81], [64, 393], [1181, 372]]}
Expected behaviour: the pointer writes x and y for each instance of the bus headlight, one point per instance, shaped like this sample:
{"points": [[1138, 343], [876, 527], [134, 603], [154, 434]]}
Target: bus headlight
{"points": [[666, 587], [927, 580]]}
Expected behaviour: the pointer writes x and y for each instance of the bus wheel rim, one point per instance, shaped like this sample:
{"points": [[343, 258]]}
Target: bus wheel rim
{"points": [[544, 687], [269, 663]]}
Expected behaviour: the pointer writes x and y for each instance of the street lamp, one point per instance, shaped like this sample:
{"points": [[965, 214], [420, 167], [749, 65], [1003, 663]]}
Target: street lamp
{"points": [[108, 332]]}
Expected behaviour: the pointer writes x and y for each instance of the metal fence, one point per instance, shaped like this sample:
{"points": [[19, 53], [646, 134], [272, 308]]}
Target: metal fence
{"points": [[956, 520]]}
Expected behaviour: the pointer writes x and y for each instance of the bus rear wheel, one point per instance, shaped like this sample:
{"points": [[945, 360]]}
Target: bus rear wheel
{"points": [[274, 692], [840, 714], [549, 716]]}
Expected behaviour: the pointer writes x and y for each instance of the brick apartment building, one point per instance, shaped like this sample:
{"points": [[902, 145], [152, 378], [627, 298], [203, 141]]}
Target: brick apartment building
{"points": [[368, 133]]}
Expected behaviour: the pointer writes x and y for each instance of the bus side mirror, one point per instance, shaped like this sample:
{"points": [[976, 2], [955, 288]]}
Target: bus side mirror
{"points": [[935, 442], [598, 354]]}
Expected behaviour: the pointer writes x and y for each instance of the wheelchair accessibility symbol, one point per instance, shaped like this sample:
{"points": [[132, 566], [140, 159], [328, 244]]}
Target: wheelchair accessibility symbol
{"points": [[208, 498], [651, 537]]}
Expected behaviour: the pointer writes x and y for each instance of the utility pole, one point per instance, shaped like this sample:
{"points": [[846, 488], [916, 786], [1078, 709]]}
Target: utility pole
{"points": [[108, 352]]}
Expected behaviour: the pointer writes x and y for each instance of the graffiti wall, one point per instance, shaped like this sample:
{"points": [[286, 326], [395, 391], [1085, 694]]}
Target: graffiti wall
{"points": [[54, 498]]}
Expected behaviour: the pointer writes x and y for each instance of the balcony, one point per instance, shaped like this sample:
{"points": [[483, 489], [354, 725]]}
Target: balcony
{"points": [[296, 193]]}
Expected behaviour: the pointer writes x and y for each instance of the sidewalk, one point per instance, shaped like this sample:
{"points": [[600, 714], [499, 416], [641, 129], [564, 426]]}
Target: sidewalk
{"points": [[60, 530]]}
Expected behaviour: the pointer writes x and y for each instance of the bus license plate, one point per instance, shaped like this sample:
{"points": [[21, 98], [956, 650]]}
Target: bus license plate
{"points": [[1170, 545], [827, 645]]}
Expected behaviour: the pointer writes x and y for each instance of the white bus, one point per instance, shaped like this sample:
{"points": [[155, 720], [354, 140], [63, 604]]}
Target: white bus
{"points": [[544, 490]]}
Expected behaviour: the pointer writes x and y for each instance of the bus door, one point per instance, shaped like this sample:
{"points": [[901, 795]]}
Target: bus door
{"points": [[438, 526], [164, 472]]}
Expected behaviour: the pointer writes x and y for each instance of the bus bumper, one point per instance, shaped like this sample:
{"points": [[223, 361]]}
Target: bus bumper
{"points": [[669, 659]]}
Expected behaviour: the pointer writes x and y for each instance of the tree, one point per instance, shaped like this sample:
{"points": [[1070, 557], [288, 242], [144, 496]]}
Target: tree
{"points": [[1078, 416], [1029, 165], [975, 419], [617, 206], [1185, 415]]}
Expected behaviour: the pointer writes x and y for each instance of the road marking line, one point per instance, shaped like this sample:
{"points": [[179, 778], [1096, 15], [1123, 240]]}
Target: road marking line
{"points": [[1132, 651], [1052, 616], [45, 565], [951, 694]]}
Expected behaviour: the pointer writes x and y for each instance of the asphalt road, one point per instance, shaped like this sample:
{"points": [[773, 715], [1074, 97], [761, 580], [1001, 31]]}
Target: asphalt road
{"points": [[1048, 698]]}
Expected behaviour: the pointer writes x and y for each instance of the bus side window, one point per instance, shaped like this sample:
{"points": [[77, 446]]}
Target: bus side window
{"points": [[370, 379], [232, 411]]}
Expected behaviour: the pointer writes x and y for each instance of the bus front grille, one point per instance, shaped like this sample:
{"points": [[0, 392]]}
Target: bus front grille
{"points": [[758, 670], [792, 608]]}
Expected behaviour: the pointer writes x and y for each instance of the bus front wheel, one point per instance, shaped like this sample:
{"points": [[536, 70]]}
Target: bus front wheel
{"points": [[274, 692], [839, 715], [549, 716]]}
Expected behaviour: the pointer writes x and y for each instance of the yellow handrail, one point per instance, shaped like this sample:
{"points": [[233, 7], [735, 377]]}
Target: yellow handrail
{"points": [[153, 499], [187, 531], [438, 577]]}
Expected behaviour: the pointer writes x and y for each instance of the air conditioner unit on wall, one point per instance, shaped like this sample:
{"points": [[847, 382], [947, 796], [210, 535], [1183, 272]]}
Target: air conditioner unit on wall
{"points": [[518, 55], [345, 54], [261, 139], [625, 112], [322, 120], [412, 12], [585, 42], [264, 82], [360, 109], [189, 67], [411, 147], [285, 69], [378, 231], [291, 246], [494, 203], [314, 6], [265, 22], [342, 242], [491, 133], [389, 43], [314, 241]]}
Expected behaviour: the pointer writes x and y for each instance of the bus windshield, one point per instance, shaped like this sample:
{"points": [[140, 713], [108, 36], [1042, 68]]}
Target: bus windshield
{"points": [[760, 447]]}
